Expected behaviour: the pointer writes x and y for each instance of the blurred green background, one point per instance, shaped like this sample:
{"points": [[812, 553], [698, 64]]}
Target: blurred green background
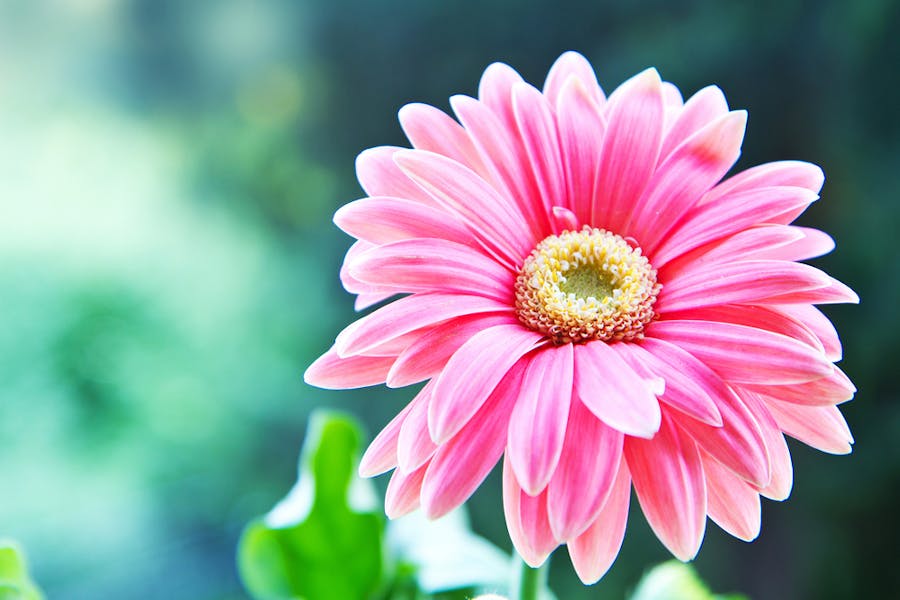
{"points": [[168, 266]]}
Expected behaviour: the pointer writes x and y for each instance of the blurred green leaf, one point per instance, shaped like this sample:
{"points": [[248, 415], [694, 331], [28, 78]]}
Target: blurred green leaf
{"points": [[674, 580], [324, 540], [15, 582]]}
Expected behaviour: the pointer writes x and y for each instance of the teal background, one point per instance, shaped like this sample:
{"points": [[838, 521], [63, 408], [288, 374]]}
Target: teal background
{"points": [[168, 266]]}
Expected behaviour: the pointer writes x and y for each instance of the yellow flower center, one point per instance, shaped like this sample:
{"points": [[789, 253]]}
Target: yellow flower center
{"points": [[586, 285]]}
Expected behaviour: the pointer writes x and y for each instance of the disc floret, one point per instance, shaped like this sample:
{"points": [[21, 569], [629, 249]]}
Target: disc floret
{"points": [[586, 285]]}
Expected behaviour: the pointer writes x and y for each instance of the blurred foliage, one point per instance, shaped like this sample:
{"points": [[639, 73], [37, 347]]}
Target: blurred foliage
{"points": [[15, 581], [325, 539], [168, 172], [673, 580]]}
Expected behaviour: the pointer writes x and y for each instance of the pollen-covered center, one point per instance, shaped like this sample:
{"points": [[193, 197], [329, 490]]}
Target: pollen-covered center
{"points": [[586, 285]]}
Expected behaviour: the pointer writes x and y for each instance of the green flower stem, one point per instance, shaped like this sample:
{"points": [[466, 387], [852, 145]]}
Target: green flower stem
{"points": [[531, 581]]}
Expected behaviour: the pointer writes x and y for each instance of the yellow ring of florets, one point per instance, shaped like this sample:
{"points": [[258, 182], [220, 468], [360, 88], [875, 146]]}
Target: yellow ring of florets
{"points": [[586, 285]]}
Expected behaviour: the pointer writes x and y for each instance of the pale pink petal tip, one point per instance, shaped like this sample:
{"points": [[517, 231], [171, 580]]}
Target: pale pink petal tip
{"points": [[594, 551], [332, 372]]}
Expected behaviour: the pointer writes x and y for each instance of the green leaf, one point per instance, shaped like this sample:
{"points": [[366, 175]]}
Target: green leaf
{"points": [[324, 540], [673, 580], [15, 582]]}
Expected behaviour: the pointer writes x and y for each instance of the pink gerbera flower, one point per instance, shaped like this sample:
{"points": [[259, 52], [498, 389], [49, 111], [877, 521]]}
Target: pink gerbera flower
{"points": [[586, 299]]}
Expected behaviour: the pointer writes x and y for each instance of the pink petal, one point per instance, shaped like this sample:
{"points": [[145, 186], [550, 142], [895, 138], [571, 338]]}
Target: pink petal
{"points": [[350, 283], [632, 356], [572, 66], [382, 220], [761, 241], [564, 220], [462, 463], [819, 324], [381, 455], [537, 129], [537, 427], [425, 357], [585, 474], [670, 486], [613, 391], [505, 159], [495, 91], [403, 492], [332, 372], [408, 314], [779, 487], [738, 444], [822, 427], [434, 265], [526, 519], [471, 375], [673, 100], [760, 317], [496, 221], [791, 173], [690, 170], [380, 176], [739, 282], [834, 292], [701, 109], [732, 503], [728, 215], [690, 386], [834, 389], [594, 551], [630, 148], [369, 299], [742, 354], [810, 243], [414, 445], [581, 131], [431, 129]]}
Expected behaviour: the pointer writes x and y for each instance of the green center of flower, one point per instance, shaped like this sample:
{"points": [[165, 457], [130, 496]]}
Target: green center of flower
{"points": [[586, 285]]}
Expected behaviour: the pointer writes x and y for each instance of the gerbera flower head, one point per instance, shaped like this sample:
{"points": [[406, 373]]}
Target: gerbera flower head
{"points": [[587, 299]]}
